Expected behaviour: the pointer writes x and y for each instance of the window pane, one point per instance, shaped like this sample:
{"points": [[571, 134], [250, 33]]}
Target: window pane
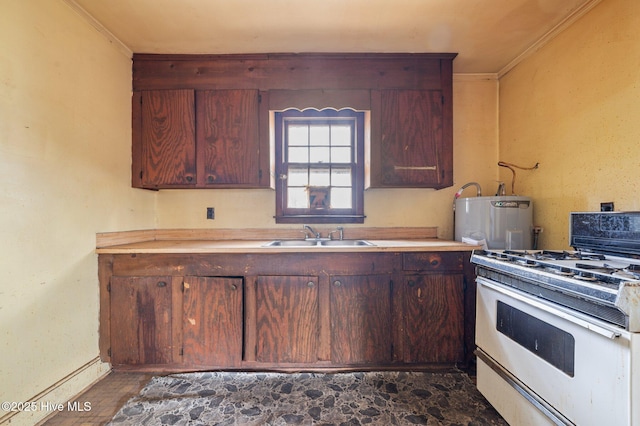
{"points": [[319, 135], [341, 177], [340, 154], [319, 151], [341, 135], [319, 154], [319, 177], [298, 176], [298, 154], [298, 134], [340, 198], [297, 198]]}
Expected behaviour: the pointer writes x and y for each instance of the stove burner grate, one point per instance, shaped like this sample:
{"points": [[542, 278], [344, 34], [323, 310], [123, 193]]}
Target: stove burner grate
{"points": [[553, 255]]}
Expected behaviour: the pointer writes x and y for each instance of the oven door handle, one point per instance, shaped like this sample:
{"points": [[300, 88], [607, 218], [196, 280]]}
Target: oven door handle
{"points": [[572, 317]]}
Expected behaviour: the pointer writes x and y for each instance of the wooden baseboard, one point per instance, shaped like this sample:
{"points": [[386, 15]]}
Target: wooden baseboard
{"points": [[66, 389]]}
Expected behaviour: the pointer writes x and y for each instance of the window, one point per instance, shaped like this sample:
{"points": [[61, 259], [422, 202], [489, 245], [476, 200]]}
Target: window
{"points": [[319, 166]]}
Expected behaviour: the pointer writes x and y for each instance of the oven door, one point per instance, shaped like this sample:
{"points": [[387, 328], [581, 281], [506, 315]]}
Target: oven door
{"points": [[542, 363]]}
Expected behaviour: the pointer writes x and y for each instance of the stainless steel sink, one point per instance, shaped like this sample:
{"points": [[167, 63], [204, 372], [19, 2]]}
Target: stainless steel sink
{"points": [[346, 243], [292, 243], [318, 243]]}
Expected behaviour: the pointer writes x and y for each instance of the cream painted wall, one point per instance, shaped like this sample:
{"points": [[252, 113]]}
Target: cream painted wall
{"points": [[574, 106], [475, 158], [65, 175], [65, 158]]}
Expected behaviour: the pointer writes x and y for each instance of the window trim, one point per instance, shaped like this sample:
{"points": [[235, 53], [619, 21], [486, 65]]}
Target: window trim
{"points": [[289, 215]]}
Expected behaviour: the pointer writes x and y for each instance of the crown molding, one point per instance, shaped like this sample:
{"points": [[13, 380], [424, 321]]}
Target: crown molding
{"points": [[475, 76], [550, 35], [115, 41]]}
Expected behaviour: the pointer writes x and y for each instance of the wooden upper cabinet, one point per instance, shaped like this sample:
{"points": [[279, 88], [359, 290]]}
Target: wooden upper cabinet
{"points": [[197, 139], [165, 147], [227, 135], [202, 121], [411, 139]]}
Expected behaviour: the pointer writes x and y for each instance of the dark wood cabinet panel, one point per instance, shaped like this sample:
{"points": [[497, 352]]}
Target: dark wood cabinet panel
{"points": [[433, 261], [141, 320], [411, 144], [164, 312], [290, 71], [203, 139], [361, 319], [212, 321], [434, 318], [167, 151], [227, 136], [287, 329], [409, 97]]}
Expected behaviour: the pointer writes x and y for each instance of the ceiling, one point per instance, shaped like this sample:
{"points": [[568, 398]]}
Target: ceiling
{"points": [[488, 35]]}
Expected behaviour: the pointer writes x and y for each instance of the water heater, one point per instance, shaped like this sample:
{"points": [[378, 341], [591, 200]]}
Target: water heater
{"points": [[504, 222]]}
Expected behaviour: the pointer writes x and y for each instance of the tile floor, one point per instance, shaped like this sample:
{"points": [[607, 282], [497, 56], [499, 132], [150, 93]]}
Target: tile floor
{"points": [[106, 398], [447, 398]]}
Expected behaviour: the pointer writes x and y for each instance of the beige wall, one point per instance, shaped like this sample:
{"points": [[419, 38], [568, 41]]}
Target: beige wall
{"points": [[574, 106], [475, 158], [64, 175]]}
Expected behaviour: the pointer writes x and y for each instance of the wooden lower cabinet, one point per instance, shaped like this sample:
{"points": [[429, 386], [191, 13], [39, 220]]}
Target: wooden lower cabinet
{"points": [[433, 311], [212, 321], [287, 319], [142, 320], [164, 312], [361, 319]]}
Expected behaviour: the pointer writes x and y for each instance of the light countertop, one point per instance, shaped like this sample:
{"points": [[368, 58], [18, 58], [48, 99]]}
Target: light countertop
{"points": [[258, 246]]}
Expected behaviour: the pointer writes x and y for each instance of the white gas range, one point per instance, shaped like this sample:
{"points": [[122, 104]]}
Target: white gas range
{"points": [[558, 332]]}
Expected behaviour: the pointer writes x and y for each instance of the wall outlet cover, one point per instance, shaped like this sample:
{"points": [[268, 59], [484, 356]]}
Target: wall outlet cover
{"points": [[606, 207]]}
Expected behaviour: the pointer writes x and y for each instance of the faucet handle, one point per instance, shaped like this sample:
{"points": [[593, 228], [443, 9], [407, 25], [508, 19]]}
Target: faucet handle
{"points": [[340, 230]]}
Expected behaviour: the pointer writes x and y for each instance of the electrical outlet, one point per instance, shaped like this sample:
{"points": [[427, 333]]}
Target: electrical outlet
{"points": [[211, 213], [606, 207]]}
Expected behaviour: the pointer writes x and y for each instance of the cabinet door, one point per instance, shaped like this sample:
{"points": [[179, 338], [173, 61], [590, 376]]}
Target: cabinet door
{"points": [[212, 321], [141, 320], [287, 319], [361, 319], [434, 318], [228, 145], [409, 147], [167, 151]]}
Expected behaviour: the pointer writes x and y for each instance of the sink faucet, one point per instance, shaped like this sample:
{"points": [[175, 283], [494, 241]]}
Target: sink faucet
{"points": [[309, 230]]}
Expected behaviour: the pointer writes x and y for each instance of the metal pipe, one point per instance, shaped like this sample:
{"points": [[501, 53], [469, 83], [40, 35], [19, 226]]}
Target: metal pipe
{"points": [[465, 186]]}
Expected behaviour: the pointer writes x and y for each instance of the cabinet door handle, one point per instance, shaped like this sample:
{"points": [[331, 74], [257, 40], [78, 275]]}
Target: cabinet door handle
{"points": [[189, 178], [234, 287], [211, 178], [411, 283], [337, 283], [162, 284], [310, 284]]}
